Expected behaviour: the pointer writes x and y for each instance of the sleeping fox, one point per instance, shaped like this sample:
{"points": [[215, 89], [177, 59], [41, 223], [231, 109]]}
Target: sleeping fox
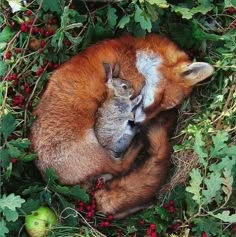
{"points": [[63, 134]]}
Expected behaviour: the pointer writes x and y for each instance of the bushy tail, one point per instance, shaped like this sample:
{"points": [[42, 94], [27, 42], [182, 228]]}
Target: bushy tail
{"points": [[132, 192]]}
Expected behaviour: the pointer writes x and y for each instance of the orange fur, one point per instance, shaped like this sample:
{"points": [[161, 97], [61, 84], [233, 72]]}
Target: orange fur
{"points": [[63, 133]]}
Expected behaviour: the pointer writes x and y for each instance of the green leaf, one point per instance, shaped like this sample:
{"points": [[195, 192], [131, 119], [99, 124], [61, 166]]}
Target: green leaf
{"points": [[111, 16], [124, 21], [10, 215], [11, 201], [50, 175], [162, 212], [6, 34], [32, 189], [206, 224], [79, 193], [3, 68], [198, 148], [141, 18], [4, 158], [219, 143], [8, 125], [53, 6], [3, 229], [225, 163], [29, 206], [184, 11], [28, 157], [213, 186], [195, 185], [226, 217], [159, 3], [14, 152]]}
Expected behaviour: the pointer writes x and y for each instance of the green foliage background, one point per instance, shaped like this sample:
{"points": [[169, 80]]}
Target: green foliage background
{"points": [[206, 128]]}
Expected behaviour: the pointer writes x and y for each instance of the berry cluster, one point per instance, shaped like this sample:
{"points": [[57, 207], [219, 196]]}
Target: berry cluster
{"points": [[170, 206], [151, 231]]}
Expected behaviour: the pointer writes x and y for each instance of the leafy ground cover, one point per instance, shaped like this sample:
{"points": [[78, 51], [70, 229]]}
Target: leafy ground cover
{"points": [[199, 199]]}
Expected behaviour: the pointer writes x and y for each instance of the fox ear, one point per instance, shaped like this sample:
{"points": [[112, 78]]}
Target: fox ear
{"points": [[108, 70], [197, 72]]}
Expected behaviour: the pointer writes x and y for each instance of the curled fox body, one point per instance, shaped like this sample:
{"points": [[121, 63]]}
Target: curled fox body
{"points": [[63, 132]]}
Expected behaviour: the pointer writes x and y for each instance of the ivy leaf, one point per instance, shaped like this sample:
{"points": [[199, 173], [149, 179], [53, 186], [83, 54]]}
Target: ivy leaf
{"points": [[53, 6], [3, 228], [195, 185], [6, 34], [124, 21], [213, 185], [219, 143], [111, 16], [8, 124], [226, 217], [141, 18], [198, 148]]}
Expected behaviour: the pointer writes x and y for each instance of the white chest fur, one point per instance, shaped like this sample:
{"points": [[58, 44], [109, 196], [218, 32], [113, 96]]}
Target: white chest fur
{"points": [[148, 63]]}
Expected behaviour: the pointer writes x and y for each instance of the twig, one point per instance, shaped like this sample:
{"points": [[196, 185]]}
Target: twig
{"points": [[11, 41]]}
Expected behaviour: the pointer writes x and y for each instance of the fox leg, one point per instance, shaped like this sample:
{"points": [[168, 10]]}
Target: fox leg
{"points": [[131, 192]]}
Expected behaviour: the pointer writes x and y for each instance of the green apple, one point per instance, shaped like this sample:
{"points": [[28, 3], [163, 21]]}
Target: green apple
{"points": [[40, 222]]}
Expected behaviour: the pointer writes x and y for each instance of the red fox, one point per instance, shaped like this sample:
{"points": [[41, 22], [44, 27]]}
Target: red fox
{"points": [[63, 132]]}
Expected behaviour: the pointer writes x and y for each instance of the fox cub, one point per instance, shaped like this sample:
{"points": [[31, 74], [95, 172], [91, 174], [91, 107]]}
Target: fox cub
{"points": [[112, 127]]}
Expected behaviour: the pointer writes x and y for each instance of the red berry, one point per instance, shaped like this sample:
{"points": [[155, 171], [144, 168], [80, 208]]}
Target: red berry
{"points": [[110, 217], [26, 88], [18, 100], [28, 13], [90, 214], [141, 222], [88, 208], [14, 76], [171, 209], [203, 234], [171, 202], [18, 50], [42, 43], [231, 10], [7, 55], [13, 160], [56, 65], [39, 71], [12, 24], [152, 226], [35, 30], [165, 205], [153, 234], [149, 232], [24, 28], [54, 21], [42, 32]]}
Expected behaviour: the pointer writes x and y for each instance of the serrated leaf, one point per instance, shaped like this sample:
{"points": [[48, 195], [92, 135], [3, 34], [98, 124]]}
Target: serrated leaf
{"points": [[50, 175], [198, 148], [226, 217], [3, 228], [141, 18], [124, 21], [8, 124], [29, 206], [10, 215], [111, 16], [195, 185], [206, 224], [184, 11], [14, 152], [11, 201], [226, 163], [79, 193], [53, 6], [213, 185], [6, 34], [219, 142], [15, 5], [162, 212]]}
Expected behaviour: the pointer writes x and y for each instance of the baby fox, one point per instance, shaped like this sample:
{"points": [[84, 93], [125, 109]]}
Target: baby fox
{"points": [[112, 127]]}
